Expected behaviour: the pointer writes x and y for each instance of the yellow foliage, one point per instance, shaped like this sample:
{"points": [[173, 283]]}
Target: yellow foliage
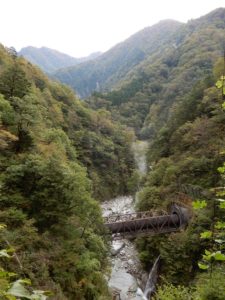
{"points": [[51, 149], [6, 139]]}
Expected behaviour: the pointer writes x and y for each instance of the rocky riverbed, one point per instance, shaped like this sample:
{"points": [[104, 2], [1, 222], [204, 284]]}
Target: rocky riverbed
{"points": [[127, 278]]}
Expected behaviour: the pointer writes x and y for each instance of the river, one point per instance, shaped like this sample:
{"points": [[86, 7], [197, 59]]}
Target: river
{"points": [[127, 278]]}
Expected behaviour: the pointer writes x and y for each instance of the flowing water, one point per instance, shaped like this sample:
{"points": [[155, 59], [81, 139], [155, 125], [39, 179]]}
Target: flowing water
{"points": [[140, 150], [127, 278]]}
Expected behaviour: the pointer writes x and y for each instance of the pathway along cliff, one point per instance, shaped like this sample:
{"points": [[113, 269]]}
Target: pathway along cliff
{"points": [[127, 279]]}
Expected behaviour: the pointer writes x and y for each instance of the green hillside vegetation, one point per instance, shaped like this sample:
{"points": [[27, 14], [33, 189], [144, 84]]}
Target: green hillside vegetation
{"points": [[59, 155], [50, 60], [148, 93], [185, 157], [110, 68], [56, 156], [171, 99]]}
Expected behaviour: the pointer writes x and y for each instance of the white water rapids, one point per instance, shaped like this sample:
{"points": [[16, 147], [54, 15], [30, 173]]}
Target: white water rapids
{"points": [[127, 278]]}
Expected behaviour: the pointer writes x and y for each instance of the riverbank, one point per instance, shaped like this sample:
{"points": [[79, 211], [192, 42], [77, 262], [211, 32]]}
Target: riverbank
{"points": [[127, 278], [127, 275]]}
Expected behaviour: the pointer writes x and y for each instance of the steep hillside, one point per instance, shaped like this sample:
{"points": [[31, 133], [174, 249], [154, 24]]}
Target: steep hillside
{"points": [[56, 155], [172, 99], [187, 158], [148, 93], [186, 126], [106, 71], [50, 60]]}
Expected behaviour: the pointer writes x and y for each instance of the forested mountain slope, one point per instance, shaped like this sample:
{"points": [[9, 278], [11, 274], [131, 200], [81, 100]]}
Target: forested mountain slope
{"points": [[49, 60], [172, 100], [55, 155], [187, 166], [110, 68], [187, 158], [148, 93]]}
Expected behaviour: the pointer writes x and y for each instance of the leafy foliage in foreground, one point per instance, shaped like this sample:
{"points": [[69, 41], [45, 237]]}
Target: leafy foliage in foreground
{"points": [[202, 289], [11, 288]]}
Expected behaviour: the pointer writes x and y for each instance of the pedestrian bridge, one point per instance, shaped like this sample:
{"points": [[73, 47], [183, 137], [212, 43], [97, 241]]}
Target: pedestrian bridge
{"points": [[148, 222]]}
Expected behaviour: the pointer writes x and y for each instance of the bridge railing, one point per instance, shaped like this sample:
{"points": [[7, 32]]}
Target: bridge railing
{"points": [[148, 222], [133, 216]]}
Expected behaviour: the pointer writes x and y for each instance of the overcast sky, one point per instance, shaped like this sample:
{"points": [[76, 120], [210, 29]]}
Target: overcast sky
{"points": [[80, 27]]}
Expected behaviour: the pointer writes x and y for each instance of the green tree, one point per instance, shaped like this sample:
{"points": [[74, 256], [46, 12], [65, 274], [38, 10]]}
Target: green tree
{"points": [[13, 81], [11, 287]]}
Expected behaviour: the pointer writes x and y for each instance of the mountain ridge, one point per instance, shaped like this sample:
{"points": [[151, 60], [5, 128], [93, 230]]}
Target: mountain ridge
{"points": [[105, 71], [147, 94], [49, 60], [109, 71]]}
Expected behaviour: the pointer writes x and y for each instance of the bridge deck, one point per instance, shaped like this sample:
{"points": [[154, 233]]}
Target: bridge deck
{"points": [[141, 223]]}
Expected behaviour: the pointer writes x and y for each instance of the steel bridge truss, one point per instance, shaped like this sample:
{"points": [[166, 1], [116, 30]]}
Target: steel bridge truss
{"points": [[142, 223]]}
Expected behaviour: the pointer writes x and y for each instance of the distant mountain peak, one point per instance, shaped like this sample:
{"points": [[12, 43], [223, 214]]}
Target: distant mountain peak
{"points": [[216, 14], [50, 60], [112, 66]]}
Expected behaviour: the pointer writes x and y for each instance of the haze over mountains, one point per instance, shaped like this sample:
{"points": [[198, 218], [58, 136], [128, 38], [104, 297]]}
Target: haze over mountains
{"points": [[106, 71], [49, 60], [144, 72], [125, 61], [128, 59], [146, 75]]}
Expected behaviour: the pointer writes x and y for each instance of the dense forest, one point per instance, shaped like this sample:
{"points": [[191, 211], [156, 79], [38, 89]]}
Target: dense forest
{"points": [[172, 100], [147, 95], [61, 156], [109, 69], [57, 158], [186, 159]]}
